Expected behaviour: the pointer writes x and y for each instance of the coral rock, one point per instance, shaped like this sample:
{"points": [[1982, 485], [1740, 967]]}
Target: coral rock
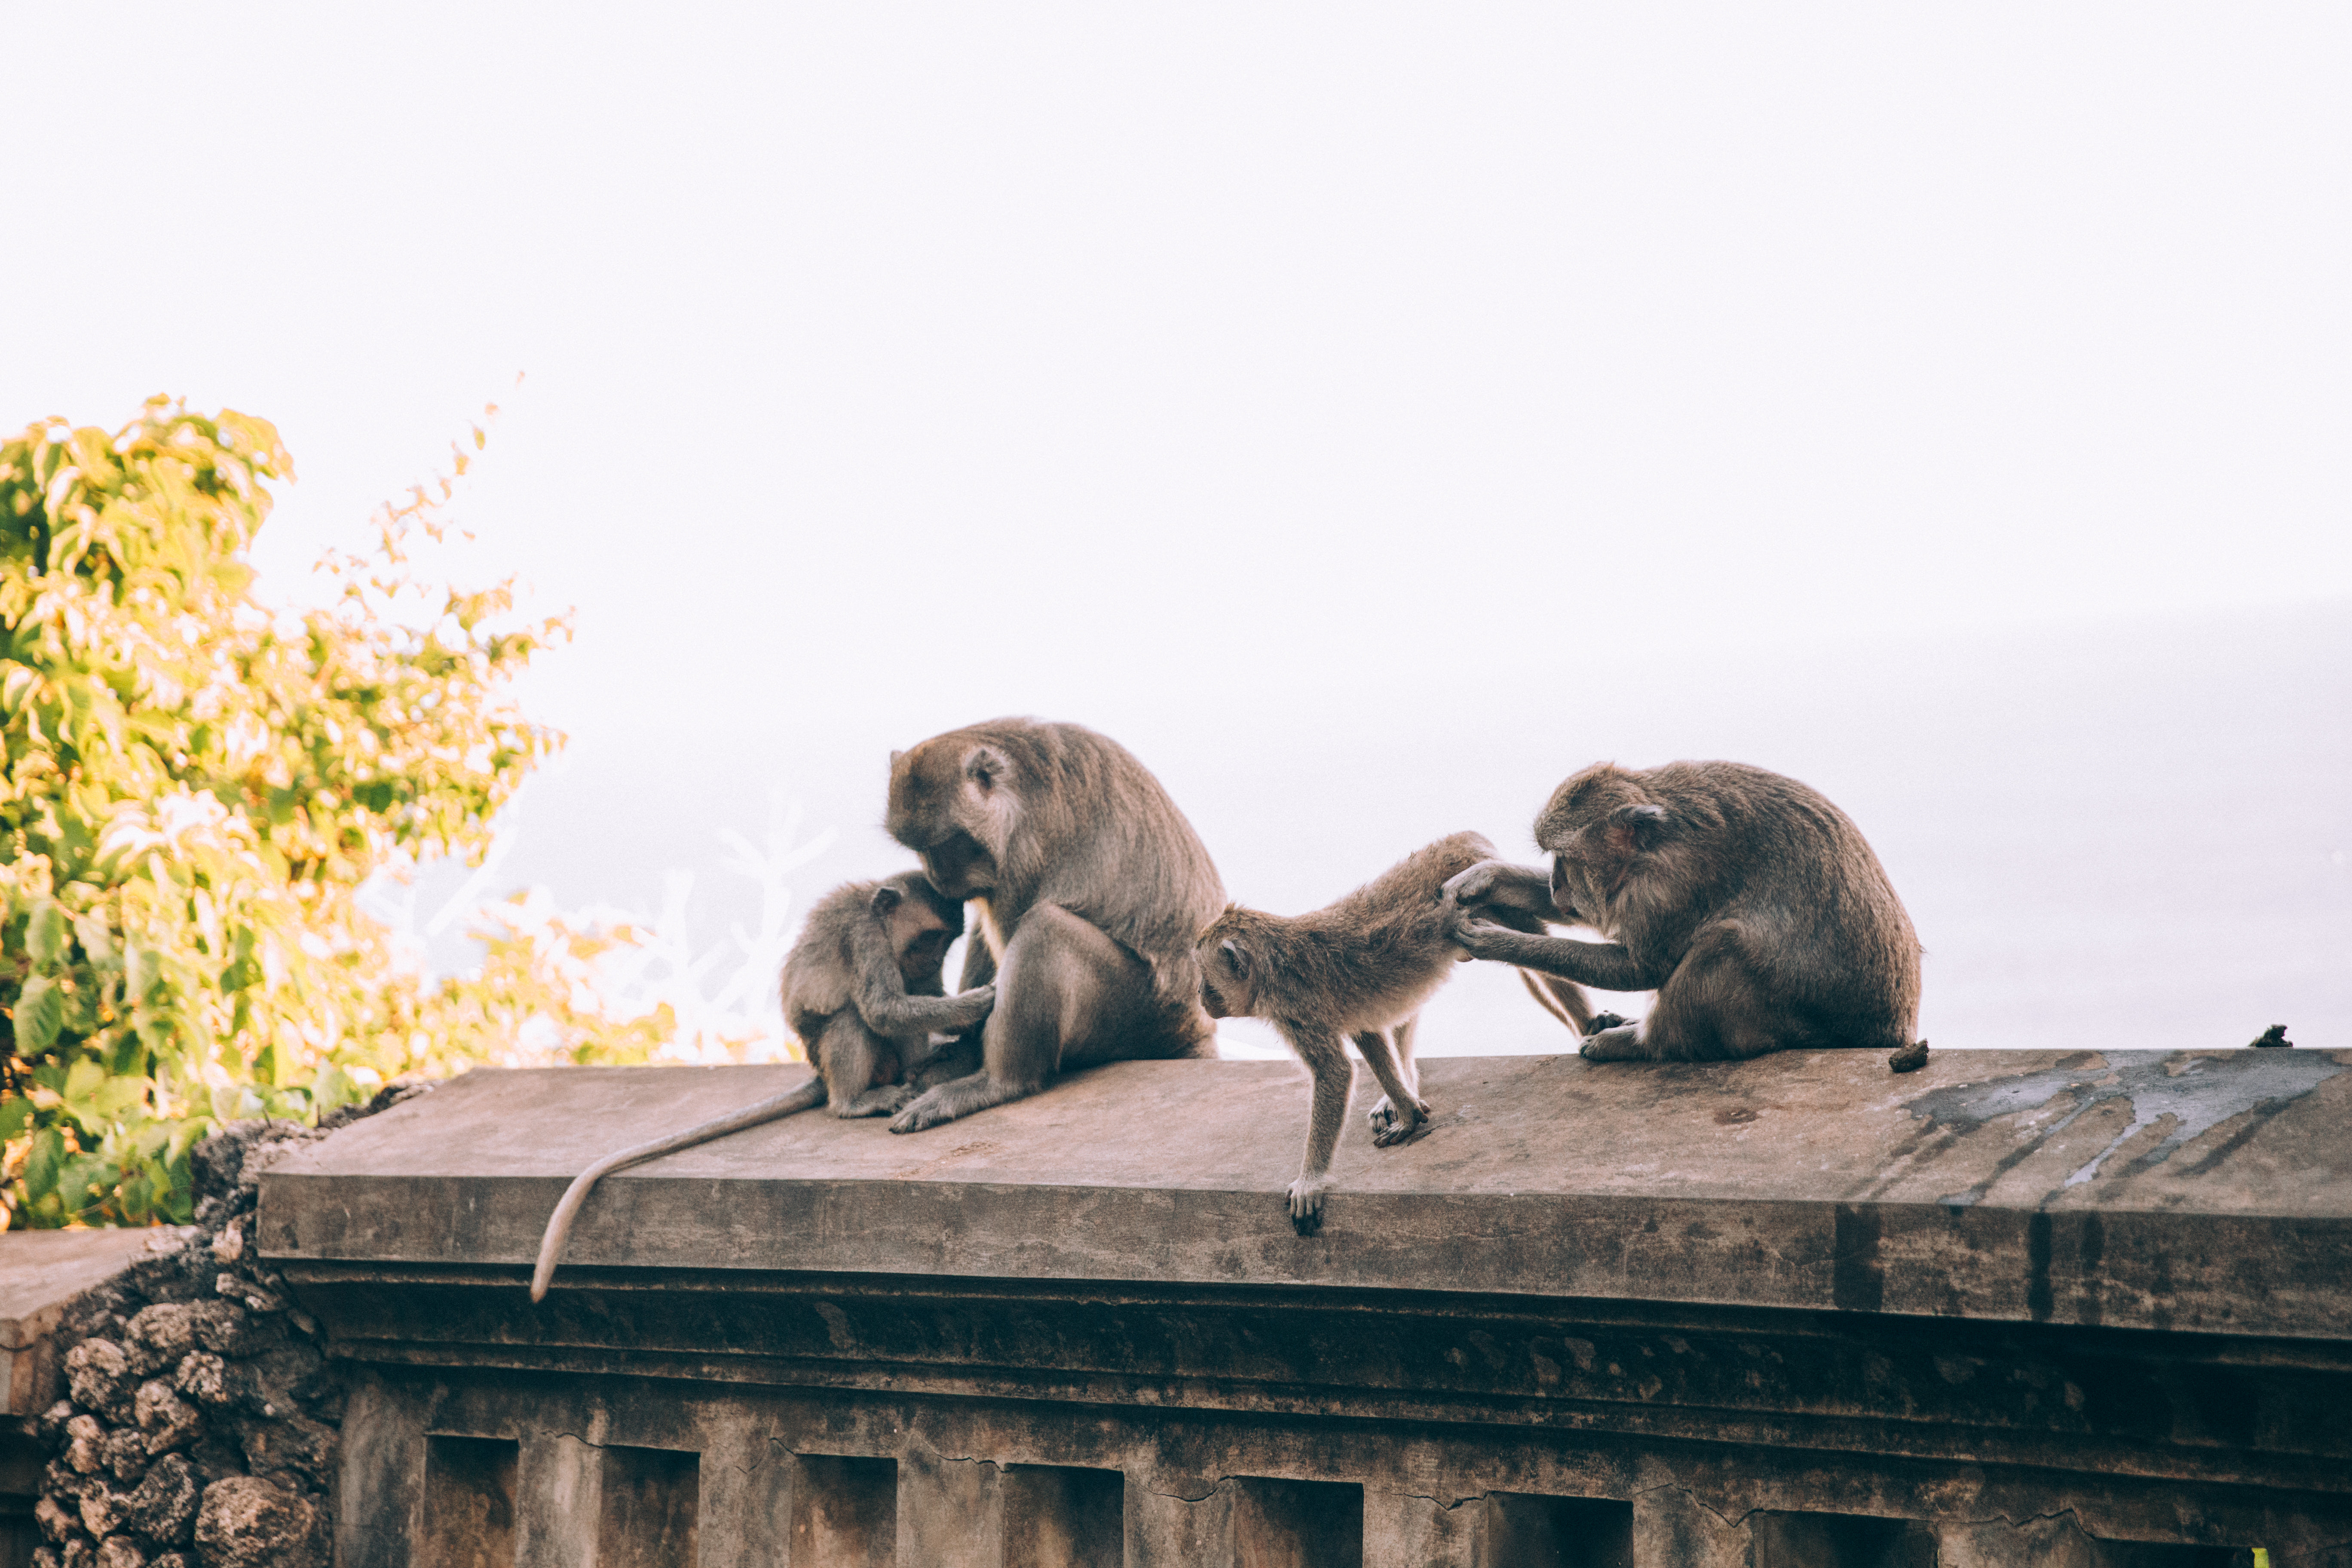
{"points": [[56, 1524], [166, 1420], [247, 1523], [98, 1373], [126, 1454], [204, 1377], [160, 1335], [164, 1507]]}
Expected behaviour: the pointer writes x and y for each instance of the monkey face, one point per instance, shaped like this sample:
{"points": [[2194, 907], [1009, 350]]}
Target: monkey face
{"points": [[1228, 987], [920, 924], [953, 803]]}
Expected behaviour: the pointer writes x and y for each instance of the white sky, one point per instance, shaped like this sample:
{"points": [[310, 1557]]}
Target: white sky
{"points": [[892, 367]]}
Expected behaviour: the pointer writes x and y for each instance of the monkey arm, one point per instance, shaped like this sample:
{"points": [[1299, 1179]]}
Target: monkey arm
{"points": [[1500, 882], [1607, 965], [883, 1001], [901, 1015]]}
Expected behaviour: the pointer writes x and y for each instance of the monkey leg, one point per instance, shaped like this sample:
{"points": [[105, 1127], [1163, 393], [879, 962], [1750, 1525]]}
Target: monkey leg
{"points": [[855, 1063], [1401, 1116], [1335, 1083], [1063, 986], [1714, 1006]]}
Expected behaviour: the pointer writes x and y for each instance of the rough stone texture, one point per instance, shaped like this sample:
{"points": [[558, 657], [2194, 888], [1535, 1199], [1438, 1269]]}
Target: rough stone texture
{"points": [[42, 1272], [180, 1363], [1722, 1316], [247, 1523], [2200, 1191]]}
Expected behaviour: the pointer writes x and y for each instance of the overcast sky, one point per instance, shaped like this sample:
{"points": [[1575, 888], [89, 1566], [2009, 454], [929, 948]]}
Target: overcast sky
{"points": [[892, 367]]}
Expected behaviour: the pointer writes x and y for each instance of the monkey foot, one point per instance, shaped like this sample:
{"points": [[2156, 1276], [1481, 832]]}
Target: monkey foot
{"points": [[1604, 1021], [1389, 1129], [1621, 1043], [1307, 1207], [885, 1101]]}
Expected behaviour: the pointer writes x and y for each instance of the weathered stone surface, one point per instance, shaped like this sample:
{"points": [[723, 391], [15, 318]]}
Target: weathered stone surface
{"points": [[163, 1508], [2191, 1190], [247, 1523], [56, 1524], [205, 1378], [41, 1272], [126, 1454], [98, 1374], [160, 1335], [102, 1513], [165, 1420], [121, 1551]]}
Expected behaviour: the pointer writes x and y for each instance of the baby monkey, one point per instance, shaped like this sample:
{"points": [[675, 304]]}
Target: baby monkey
{"points": [[862, 990], [1359, 969]]}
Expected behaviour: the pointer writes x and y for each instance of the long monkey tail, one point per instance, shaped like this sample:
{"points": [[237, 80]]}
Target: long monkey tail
{"points": [[1563, 999], [559, 1225]]}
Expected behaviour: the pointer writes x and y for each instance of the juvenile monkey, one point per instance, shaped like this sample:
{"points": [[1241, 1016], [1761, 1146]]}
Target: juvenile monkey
{"points": [[1091, 887], [862, 991], [1358, 969], [1752, 906]]}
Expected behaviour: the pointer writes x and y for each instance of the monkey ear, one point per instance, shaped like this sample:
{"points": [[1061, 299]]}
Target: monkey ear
{"points": [[1644, 824], [894, 760], [1235, 955], [986, 767], [886, 899]]}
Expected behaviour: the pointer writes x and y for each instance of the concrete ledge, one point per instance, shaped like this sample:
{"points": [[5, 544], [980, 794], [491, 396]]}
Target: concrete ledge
{"points": [[2210, 1192]]}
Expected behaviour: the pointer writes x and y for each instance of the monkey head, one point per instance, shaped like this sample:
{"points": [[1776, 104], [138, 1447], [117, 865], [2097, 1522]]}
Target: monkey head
{"points": [[955, 801], [1229, 971], [920, 923], [1598, 826]]}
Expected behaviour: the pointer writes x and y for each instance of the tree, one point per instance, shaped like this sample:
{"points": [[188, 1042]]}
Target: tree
{"points": [[197, 785]]}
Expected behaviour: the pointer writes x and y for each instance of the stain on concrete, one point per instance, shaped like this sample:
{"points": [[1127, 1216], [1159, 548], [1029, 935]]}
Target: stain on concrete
{"points": [[2196, 1092]]}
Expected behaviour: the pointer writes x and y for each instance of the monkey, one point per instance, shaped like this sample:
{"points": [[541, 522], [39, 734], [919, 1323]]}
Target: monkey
{"points": [[1090, 887], [861, 989], [1360, 968], [1753, 906]]}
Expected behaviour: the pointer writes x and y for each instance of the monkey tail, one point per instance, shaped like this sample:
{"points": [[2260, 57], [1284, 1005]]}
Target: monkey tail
{"points": [[558, 1223], [1563, 999]]}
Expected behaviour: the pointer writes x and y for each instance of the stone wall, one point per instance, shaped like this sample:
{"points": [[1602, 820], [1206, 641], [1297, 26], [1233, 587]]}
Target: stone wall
{"points": [[198, 1414], [2068, 1310]]}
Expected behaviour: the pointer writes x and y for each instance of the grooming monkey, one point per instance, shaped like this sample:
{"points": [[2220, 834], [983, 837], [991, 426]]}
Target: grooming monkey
{"points": [[1358, 969], [1091, 887], [862, 991], [1752, 906]]}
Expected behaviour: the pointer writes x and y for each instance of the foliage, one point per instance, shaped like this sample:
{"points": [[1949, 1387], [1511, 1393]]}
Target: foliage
{"points": [[196, 787]]}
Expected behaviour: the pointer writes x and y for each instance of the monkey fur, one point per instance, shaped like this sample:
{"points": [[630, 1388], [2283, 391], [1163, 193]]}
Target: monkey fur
{"points": [[1358, 969], [861, 989], [1752, 906], [1091, 887]]}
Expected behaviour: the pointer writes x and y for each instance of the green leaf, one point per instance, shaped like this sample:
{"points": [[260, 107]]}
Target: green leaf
{"points": [[44, 935], [41, 1013], [16, 1115], [41, 1166], [82, 1080], [140, 973]]}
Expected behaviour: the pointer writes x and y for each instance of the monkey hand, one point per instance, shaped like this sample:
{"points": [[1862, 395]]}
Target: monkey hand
{"points": [[1390, 1128], [1306, 1204], [1481, 938], [968, 1007], [1472, 886]]}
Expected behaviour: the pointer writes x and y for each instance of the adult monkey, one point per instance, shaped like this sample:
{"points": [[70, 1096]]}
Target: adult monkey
{"points": [[1753, 906], [1091, 887]]}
